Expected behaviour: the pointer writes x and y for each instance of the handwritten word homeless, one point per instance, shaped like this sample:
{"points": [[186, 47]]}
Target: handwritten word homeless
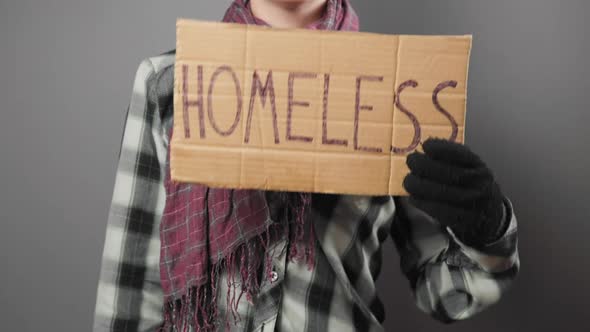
{"points": [[266, 91]]}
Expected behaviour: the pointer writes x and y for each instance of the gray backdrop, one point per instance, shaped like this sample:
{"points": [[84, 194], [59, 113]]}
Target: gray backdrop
{"points": [[66, 71]]}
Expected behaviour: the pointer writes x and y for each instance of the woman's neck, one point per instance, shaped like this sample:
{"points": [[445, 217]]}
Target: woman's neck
{"points": [[288, 13]]}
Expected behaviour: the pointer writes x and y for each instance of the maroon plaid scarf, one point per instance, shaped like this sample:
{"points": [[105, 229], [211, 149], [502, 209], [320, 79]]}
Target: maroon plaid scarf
{"points": [[205, 230]]}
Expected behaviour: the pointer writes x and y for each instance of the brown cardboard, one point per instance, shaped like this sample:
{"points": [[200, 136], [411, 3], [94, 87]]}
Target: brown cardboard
{"points": [[320, 152]]}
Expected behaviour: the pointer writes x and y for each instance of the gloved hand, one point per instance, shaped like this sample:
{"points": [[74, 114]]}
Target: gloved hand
{"points": [[453, 185]]}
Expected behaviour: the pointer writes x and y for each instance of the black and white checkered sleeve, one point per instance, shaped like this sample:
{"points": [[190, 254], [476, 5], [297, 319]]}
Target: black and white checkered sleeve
{"points": [[129, 295], [450, 280]]}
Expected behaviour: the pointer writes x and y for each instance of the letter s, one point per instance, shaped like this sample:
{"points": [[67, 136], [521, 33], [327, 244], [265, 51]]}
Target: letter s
{"points": [[437, 90], [403, 109]]}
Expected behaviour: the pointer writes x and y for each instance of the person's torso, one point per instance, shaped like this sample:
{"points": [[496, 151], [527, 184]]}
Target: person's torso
{"points": [[339, 293]]}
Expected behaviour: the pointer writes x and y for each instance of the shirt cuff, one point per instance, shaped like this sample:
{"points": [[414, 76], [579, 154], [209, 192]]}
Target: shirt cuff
{"points": [[499, 255]]}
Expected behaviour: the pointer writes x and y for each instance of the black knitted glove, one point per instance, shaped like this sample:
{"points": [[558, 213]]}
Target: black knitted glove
{"points": [[453, 185]]}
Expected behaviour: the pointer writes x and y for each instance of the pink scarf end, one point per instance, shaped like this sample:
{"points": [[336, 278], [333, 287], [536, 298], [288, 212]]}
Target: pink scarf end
{"points": [[198, 308]]}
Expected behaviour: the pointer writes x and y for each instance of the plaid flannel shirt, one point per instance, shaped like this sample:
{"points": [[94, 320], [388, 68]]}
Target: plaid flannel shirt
{"points": [[450, 280]]}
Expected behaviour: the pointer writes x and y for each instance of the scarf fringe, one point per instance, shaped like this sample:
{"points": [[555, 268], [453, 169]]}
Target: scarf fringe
{"points": [[198, 309]]}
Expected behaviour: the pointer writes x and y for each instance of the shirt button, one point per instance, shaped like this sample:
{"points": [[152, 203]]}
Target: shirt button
{"points": [[274, 276]]}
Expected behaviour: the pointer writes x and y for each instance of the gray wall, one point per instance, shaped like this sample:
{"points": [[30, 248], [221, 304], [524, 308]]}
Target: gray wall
{"points": [[66, 70]]}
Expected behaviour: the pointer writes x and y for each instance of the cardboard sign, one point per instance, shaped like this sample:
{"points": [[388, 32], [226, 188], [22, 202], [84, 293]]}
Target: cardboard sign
{"points": [[312, 111]]}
